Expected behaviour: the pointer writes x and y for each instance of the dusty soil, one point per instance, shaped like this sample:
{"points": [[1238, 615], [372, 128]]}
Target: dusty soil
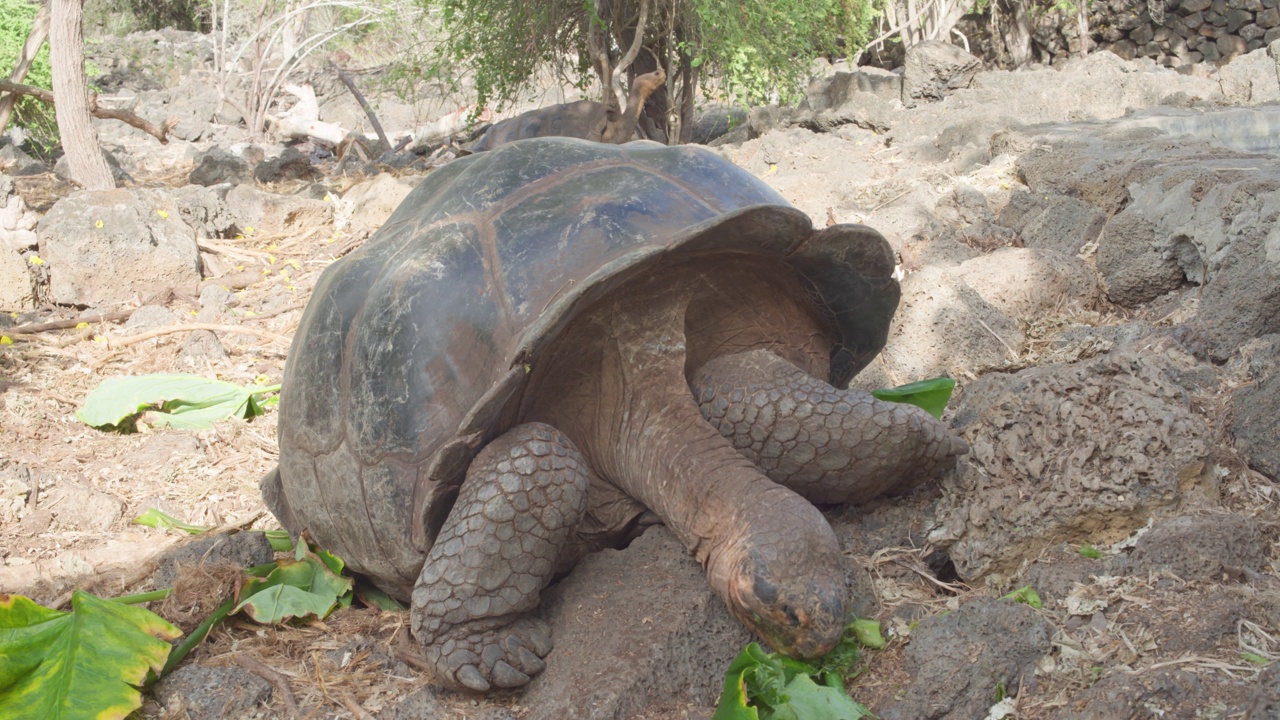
{"points": [[1111, 644]]}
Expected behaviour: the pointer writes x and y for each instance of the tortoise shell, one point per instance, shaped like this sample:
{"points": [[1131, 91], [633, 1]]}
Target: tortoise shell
{"points": [[413, 347]]}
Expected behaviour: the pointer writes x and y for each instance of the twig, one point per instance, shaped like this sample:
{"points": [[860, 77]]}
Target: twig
{"points": [[159, 132], [352, 706], [364, 104], [277, 680], [277, 311], [997, 337], [241, 255], [212, 327]]}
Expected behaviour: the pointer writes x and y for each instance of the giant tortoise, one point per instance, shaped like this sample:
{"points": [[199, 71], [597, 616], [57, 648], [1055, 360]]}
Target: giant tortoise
{"points": [[548, 341]]}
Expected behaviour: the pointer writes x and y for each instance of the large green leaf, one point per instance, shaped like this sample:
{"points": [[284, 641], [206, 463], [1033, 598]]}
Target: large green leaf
{"points": [[931, 394], [86, 663], [296, 588], [178, 401], [807, 700]]}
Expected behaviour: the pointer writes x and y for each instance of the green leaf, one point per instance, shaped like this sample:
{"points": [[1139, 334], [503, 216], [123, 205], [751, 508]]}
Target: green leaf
{"points": [[294, 589], [733, 699], [807, 700], [1025, 594], [279, 539], [867, 633], [1090, 551], [177, 401], [87, 663], [372, 597], [766, 686], [932, 394], [1254, 658], [160, 520]]}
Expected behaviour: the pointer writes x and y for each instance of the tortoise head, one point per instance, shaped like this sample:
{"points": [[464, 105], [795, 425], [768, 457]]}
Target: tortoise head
{"points": [[790, 589]]}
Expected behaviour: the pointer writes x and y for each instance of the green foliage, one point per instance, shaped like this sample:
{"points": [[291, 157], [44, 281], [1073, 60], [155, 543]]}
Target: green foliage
{"points": [[1025, 594], [761, 47], [179, 401], [124, 16], [1090, 552], [16, 17], [931, 394], [766, 686], [759, 50], [87, 663]]}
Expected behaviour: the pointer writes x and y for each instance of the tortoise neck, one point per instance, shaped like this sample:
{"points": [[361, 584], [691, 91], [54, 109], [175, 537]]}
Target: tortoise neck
{"points": [[618, 388]]}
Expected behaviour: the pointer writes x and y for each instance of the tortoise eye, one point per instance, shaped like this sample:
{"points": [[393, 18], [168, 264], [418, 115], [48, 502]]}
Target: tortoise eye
{"points": [[792, 617]]}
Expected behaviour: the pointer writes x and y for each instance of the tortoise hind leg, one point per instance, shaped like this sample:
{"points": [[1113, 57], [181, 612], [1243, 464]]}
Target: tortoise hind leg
{"points": [[523, 496], [829, 445]]}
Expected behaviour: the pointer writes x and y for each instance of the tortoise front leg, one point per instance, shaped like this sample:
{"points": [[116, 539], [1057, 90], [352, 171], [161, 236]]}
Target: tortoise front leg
{"points": [[829, 445], [523, 496]]}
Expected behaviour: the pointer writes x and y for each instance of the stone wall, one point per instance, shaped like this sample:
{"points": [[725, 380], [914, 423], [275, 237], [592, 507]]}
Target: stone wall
{"points": [[1173, 33], [1183, 32]]}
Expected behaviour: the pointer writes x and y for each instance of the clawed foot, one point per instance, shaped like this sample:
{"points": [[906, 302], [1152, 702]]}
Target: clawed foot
{"points": [[503, 657]]}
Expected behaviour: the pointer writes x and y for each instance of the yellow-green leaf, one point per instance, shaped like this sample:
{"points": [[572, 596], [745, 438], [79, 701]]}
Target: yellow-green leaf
{"points": [[87, 663]]}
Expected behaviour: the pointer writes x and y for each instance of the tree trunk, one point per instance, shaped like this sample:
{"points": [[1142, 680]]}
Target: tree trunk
{"points": [[39, 31], [89, 167], [1017, 32]]}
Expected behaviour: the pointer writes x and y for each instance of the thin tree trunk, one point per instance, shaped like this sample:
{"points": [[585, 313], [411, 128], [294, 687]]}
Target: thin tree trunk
{"points": [[79, 140], [39, 31]]}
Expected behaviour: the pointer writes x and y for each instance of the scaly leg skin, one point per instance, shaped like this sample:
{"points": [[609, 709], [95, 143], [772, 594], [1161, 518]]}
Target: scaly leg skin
{"points": [[829, 445], [523, 496]]}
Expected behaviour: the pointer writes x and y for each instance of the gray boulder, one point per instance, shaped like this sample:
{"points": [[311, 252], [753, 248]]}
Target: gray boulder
{"points": [[1081, 452], [633, 627], [996, 643], [289, 165], [216, 166], [113, 245], [201, 692], [934, 69], [1063, 223], [1256, 424], [1250, 79]]}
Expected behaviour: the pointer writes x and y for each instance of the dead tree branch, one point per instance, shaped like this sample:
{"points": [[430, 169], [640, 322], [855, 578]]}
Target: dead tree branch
{"points": [[384, 143], [159, 132]]}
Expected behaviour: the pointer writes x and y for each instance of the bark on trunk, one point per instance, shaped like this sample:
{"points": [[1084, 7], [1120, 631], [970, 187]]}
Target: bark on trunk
{"points": [[79, 140], [39, 32], [1017, 32]]}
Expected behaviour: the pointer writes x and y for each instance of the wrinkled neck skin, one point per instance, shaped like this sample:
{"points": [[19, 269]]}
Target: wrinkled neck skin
{"points": [[618, 387]]}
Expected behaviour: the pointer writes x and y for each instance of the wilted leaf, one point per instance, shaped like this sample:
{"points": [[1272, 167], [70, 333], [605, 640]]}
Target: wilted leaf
{"points": [[931, 394], [86, 663], [179, 401]]}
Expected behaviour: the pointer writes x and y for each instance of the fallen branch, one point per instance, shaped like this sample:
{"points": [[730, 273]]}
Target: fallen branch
{"points": [[212, 327], [277, 680], [364, 104], [159, 132], [277, 311]]}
